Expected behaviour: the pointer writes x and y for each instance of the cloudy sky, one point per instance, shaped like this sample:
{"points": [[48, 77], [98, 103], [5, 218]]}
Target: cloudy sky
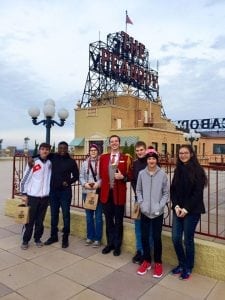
{"points": [[44, 54]]}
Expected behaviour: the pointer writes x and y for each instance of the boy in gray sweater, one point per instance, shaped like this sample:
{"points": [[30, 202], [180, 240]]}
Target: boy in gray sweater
{"points": [[152, 193]]}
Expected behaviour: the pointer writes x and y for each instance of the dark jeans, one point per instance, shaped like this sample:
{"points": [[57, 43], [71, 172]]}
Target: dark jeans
{"points": [[94, 222], [38, 208], [114, 222], [185, 226], [60, 198], [137, 228], [156, 226]]}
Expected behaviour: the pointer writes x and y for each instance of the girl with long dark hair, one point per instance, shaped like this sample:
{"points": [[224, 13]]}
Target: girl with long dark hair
{"points": [[187, 202]]}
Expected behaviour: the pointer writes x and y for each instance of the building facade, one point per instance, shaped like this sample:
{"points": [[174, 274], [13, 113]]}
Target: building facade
{"points": [[131, 118]]}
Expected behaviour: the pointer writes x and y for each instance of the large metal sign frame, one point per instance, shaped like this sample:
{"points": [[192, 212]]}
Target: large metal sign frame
{"points": [[117, 67]]}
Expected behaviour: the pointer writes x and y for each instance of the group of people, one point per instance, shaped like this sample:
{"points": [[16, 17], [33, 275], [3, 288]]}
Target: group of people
{"points": [[48, 178], [106, 174], [151, 188]]}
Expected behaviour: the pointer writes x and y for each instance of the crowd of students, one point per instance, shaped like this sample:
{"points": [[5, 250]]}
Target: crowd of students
{"points": [[48, 178]]}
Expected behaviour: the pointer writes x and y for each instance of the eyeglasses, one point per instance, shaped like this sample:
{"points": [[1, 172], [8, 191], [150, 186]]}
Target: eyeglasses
{"points": [[184, 153], [93, 150]]}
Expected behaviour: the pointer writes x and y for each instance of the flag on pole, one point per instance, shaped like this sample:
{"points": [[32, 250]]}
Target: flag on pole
{"points": [[128, 20]]}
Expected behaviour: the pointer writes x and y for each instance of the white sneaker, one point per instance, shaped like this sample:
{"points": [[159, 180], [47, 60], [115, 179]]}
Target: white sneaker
{"points": [[88, 242], [96, 244]]}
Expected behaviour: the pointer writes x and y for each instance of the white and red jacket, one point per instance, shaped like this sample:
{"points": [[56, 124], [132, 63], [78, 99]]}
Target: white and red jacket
{"points": [[36, 180]]}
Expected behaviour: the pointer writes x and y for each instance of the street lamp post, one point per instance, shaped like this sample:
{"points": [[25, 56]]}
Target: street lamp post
{"points": [[26, 148], [1, 140], [192, 136], [49, 112]]}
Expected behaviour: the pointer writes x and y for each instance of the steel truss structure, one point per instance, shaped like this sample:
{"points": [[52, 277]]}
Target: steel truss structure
{"points": [[114, 70]]}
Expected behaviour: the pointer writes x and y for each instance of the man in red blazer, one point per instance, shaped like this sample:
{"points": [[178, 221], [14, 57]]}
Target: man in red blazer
{"points": [[115, 171]]}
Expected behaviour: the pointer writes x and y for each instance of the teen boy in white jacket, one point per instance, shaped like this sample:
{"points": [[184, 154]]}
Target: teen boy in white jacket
{"points": [[35, 185]]}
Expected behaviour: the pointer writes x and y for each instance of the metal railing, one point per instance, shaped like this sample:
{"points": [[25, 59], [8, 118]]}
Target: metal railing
{"points": [[212, 223]]}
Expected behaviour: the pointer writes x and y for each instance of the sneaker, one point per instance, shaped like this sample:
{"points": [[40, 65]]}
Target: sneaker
{"points": [[158, 270], [96, 244], [39, 244], [138, 258], [24, 246], [176, 271], [185, 275], [88, 242], [144, 267]]}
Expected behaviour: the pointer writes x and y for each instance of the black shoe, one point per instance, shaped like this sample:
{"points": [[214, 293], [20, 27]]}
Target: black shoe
{"points": [[24, 246], [116, 252], [65, 241], [107, 249], [138, 258], [51, 240]]}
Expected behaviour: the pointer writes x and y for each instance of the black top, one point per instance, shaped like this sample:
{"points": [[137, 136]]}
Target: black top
{"points": [[186, 193], [64, 169], [138, 165]]}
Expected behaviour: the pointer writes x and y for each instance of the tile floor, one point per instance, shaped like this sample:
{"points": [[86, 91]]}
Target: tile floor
{"points": [[82, 272]]}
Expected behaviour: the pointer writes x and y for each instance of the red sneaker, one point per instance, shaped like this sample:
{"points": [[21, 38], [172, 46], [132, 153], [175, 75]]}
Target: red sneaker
{"points": [[158, 270], [144, 267]]}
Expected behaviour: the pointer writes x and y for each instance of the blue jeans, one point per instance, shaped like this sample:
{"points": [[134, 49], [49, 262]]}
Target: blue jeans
{"points": [[185, 252], [94, 221], [137, 228], [60, 198]]}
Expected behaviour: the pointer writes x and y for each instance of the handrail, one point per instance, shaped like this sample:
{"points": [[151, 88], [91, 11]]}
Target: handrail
{"points": [[211, 224]]}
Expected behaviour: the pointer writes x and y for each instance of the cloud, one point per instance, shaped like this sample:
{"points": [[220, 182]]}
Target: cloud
{"points": [[169, 70], [194, 91], [210, 3], [186, 45], [44, 54], [219, 43], [221, 72]]}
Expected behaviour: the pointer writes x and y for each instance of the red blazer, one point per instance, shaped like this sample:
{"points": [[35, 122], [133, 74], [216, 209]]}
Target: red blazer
{"points": [[119, 189]]}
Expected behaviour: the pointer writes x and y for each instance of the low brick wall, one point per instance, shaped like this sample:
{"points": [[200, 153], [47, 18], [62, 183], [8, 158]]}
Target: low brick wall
{"points": [[210, 256]]}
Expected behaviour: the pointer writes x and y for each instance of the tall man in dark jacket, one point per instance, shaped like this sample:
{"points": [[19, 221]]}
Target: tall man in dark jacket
{"points": [[64, 172], [114, 171], [138, 165]]}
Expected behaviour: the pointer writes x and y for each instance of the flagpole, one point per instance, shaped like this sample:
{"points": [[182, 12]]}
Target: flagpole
{"points": [[126, 22]]}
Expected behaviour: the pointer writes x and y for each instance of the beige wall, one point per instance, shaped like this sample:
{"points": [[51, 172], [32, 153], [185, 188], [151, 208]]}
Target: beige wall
{"points": [[87, 124], [207, 144], [138, 117]]}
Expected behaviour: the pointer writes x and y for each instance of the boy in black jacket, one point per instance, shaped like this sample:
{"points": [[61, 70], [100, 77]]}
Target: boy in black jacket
{"points": [[64, 172], [139, 164]]}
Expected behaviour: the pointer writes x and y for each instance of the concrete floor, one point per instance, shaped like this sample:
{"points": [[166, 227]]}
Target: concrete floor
{"points": [[82, 272]]}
